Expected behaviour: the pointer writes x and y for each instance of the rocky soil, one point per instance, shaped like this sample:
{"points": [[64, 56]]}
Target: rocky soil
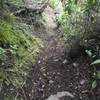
{"points": [[52, 77]]}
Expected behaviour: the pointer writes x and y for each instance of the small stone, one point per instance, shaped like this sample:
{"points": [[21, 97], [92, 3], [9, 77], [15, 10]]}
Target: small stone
{"points": [[58, 73], [82, 82], [12, 89], [76, 87], [75, 64], [51, 81], [44, 74], [65, 61], [39, 61], [43, 86], [47, 73], [30, 95], [59, 86], [40, 78], [43, 58], [56, 60], [85, 91]]}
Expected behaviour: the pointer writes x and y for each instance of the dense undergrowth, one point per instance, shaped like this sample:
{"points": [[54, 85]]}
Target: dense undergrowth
{"points": [[79, 20], [19, 49]]}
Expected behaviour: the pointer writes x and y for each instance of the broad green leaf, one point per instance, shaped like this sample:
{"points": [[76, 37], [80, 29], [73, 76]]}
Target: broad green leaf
{"points": [[98, 74], [96, 62], [94, 84], [89, 52], [2, 50]]}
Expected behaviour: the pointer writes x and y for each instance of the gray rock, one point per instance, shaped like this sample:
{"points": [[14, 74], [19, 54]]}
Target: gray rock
{"points": [[61, 96]]}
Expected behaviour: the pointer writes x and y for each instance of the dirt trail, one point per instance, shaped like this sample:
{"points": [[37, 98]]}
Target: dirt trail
{"points": [[49, 12], [51, 74]]}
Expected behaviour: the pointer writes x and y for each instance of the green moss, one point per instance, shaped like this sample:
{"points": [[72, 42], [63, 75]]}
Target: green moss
{"points": [[7, 34], [24, 47]]}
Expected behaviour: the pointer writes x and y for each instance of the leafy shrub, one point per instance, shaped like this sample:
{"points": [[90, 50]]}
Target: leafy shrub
{"points": [[78, 18]]}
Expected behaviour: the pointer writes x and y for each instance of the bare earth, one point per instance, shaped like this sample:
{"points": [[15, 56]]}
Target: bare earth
{"points": [[51, 74]]}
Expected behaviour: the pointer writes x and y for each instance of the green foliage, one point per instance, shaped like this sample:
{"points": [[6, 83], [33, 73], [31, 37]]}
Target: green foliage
{"points": [[17, 3], [94, 84], [96, 62], [2, 50], [96, 73], [7, 34], [92, 5], [73, 12], [54, 3], [96, 76], [24, 48], [78, 17], [2, 76], [21, 68], [1, 3]]}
